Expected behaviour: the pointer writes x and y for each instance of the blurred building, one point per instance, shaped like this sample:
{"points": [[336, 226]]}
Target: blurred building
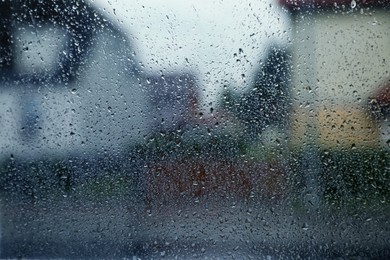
{"points": [[341, 53], [69, 82], [174, 101]]}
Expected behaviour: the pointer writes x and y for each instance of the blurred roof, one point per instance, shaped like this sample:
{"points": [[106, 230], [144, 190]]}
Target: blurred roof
{"points": [[297, 5]]}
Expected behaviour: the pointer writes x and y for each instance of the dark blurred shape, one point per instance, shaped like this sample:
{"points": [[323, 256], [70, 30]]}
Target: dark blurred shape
{"points": [[174, 98], [73, 15], [380, 102], [267, 101], [5, 37], [380, 107], [299, 5]]}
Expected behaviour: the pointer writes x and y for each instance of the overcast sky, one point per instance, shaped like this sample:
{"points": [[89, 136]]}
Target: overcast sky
{"points": [[201, 36]]}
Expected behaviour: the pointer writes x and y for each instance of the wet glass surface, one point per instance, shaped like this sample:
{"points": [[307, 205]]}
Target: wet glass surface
{"points": [[196, 129]]}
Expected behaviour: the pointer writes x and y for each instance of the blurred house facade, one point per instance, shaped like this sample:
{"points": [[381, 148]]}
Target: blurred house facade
{"points": [[70, 84], [341, 54]]}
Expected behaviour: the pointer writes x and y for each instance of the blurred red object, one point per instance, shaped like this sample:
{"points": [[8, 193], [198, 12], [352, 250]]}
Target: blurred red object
{"points": [[382, 96]]}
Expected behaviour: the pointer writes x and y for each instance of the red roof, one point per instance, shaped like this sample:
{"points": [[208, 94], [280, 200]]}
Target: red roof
{"points": [[296, 5]]}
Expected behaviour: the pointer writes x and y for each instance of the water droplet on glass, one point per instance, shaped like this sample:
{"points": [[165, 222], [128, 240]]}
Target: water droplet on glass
{"points": [[305, 226], [353, 4]]}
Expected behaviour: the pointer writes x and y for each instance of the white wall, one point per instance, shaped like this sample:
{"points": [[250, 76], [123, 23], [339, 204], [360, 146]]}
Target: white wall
{"points": [[103, 111], [339, 59]]}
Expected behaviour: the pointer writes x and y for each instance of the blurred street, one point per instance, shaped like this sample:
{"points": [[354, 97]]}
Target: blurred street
{"points": [[200, 229]]}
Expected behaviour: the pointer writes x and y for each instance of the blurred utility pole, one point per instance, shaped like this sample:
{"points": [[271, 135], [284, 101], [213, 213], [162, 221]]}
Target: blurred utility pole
{"points": [[311, 161]]}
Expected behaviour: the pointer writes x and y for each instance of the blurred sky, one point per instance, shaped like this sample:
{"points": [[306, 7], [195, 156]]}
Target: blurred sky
{"points": [[218, 41]]}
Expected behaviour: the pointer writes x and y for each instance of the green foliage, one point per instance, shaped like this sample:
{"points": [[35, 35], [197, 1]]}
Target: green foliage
{"points": [[358, 175]]}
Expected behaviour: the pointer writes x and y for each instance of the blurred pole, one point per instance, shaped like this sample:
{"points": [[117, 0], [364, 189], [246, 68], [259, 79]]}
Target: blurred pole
{"points": [[30, 115], [311, 164], [311, 161]]}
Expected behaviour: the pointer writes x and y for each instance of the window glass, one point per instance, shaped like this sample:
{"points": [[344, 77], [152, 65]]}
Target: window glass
{"points": [[194, 129], [37, 50]]}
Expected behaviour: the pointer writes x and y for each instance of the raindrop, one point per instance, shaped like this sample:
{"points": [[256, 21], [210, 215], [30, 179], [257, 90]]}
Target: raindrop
{"points": [[305, 226], [353, 4]]}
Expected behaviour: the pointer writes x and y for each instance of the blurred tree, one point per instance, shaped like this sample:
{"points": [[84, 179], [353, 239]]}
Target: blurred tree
{"points": [[5, 38], [267, 101]]}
